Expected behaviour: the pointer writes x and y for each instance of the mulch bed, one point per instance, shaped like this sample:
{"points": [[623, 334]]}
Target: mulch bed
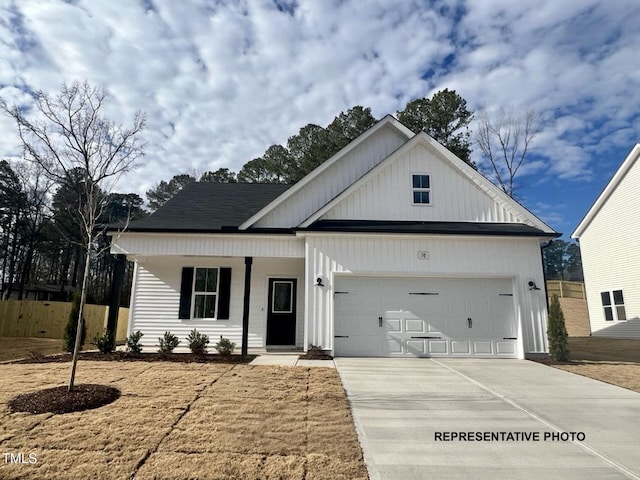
{"points": [[315, 353], [141, 357], [60, 400]]}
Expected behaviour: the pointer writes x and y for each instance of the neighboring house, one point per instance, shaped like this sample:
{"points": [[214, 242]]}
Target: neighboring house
{"points": [[609, 237], [392, 247]]}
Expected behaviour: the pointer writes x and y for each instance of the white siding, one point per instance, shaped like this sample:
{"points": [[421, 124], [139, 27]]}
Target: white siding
{"points": [[454, 197], [334, 179], [519, 259], [156, 296], [610, 247], [134, 243]]}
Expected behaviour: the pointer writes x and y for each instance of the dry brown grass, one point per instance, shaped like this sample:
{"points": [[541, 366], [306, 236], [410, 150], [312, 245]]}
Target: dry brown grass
{"points": [[200, 421], [12, 348], [615, 361]]}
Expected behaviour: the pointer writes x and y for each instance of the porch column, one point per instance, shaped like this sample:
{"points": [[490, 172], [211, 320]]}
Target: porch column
{"points": [[116, 292], [248, 261]]}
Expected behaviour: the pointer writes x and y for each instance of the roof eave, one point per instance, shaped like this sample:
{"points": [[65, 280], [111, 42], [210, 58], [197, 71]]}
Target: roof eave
{"points": [[607, 191]]}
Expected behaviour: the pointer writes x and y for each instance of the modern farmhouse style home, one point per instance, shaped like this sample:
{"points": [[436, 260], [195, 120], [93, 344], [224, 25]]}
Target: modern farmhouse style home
{"points": [[609, 237], [392, 247]]}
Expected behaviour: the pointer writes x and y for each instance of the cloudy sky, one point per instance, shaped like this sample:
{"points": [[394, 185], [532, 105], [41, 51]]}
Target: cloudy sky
{"points": [[220, 81]]}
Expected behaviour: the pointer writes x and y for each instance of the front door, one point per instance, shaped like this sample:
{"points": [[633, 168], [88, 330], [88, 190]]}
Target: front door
{"points": [[281, 315]]}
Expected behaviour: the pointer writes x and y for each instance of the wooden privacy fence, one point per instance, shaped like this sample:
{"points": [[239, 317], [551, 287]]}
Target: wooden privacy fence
{"points": [[565, 289], [30, 318]]}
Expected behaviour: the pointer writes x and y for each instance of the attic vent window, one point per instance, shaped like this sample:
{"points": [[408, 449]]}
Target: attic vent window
{"points": [[421, 188]]}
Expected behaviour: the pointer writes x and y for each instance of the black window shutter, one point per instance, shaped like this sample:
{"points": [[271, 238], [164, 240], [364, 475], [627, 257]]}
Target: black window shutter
{"points": [[184, 311], [225, 294]]}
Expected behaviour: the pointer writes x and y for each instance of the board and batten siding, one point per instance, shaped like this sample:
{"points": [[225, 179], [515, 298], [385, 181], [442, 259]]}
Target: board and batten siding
{"points": [[610, 247], [454, 197], [156, 297], [469, 257], [151, 244], [333, 180]]}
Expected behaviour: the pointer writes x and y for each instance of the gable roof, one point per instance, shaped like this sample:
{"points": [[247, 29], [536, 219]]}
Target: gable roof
{"points": [[608, 190], [475, 177], [209, 207], [386, 121]]}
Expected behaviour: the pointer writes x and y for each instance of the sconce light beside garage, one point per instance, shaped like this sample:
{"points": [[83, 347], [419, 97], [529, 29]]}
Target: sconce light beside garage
{"points": [[532, 285], [319, 282]]}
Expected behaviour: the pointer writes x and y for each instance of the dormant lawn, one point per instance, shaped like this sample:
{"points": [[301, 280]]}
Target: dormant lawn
{"points": [[187, 421]]}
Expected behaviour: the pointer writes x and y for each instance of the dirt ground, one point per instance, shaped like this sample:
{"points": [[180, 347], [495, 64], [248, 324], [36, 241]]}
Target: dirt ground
{"points": [[615, 361], [12, 348], [197, 421]]}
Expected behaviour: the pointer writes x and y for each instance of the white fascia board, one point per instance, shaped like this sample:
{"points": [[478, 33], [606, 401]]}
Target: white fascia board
{"points": [[387, 120], [476, 177], [608, 190], [487, 185]]}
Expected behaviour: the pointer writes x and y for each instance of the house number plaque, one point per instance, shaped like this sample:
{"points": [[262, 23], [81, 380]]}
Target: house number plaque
{"points": [[423, 255]]}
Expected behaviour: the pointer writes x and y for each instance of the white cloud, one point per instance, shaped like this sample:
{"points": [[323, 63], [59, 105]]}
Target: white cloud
{"points": [[221, 81]]}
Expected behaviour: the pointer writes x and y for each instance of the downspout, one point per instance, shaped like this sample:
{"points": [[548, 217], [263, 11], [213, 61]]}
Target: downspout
{"points": [[248, 261], [544, 274]]}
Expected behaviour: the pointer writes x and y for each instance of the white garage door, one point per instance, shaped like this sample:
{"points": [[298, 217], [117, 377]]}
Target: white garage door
{"points": [[424, 317]]}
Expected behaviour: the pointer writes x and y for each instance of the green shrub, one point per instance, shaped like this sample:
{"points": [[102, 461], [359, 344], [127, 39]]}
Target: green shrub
{"points": [[557, 332], [71, 328], [168, 342], [224, 346], [198, 342], [133, 342], [104, 342]]}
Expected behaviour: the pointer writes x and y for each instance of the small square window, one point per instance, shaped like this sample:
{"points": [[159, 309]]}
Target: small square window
{"points": [[617, 307], [421, 185]]}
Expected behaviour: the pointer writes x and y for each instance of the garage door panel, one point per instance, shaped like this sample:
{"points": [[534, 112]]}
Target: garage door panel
{"points": [[471, 317]]}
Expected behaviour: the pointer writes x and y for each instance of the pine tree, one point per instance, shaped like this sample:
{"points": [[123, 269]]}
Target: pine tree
{"points": [[557, 332], [70, 329]]}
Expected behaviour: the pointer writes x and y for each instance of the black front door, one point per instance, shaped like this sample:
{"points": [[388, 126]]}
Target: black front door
{"points": [[281, 316]]}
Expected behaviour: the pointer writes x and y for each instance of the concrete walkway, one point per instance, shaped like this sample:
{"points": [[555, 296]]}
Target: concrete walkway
{"points": [[290, 360], [534, 421]]}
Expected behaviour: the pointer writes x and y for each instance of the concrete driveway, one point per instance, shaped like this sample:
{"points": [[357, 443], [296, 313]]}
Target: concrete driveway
{"points": [[499, 419]]}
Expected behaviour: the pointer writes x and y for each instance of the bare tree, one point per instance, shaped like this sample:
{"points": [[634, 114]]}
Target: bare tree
{"points": [[505, 141], [68, 134]]}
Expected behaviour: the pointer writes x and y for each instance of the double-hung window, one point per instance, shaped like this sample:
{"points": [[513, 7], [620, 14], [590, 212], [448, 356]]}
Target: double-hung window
{"points": [[613, 305], [421, 189], [205, 292]]}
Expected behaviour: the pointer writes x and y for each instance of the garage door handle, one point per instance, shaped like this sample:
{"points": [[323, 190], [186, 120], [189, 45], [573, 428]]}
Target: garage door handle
{"points": [[380, 322], [341, 336], [427, 337], [509, 338]]}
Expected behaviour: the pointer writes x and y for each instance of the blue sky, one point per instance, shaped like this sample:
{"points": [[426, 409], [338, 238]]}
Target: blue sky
{"points": [[220, 81]]}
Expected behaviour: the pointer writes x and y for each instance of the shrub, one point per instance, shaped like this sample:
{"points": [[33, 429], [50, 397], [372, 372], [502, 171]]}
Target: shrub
{"points": [[133, 342], [168, 342], [198, 342], [224, 346], [557, 332], [71, 328], [104, 342]]}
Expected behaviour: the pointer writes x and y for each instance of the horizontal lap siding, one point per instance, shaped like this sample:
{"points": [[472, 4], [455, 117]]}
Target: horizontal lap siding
{"points": [[154, 307], [610, 248]]}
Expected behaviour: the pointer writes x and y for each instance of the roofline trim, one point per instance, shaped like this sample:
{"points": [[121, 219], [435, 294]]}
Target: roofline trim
{"points": [[617, 177], [387, 120]]}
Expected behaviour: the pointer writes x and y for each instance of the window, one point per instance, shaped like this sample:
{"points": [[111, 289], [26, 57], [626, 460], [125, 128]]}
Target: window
{"points": [[615, 310], [421, 188], [205, 292]]}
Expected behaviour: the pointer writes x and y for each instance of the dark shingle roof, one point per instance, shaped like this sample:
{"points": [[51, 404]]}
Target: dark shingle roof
{"points": [[446, 228], [209, 207]]}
